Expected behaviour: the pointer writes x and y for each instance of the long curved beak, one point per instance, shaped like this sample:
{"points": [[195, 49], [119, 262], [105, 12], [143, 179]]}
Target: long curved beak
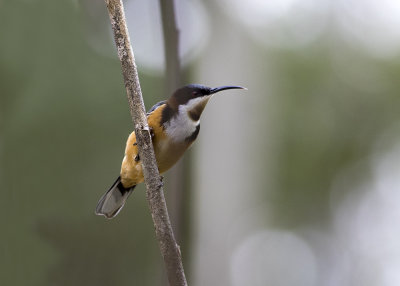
{"points": [[221, 88]]}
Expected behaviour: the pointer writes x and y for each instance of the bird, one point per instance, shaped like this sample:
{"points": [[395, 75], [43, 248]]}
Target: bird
{"points": [[174, 125]]}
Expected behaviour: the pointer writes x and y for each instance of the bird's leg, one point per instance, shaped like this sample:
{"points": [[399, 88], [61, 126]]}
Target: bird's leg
{"points": [[137, 158], [151, 132]]}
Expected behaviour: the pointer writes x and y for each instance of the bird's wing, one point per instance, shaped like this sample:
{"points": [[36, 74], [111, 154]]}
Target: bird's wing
{"points": [[155, 106]]}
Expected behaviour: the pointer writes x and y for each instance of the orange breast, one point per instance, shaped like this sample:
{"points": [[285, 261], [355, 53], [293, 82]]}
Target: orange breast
{"points": [[166, 150]]}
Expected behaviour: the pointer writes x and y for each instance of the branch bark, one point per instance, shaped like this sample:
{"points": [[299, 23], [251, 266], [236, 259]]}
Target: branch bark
{"points": [[155, 193]]}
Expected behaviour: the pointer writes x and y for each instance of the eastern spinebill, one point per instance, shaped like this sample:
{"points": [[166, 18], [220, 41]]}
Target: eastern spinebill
{"points": [[174, 125]]}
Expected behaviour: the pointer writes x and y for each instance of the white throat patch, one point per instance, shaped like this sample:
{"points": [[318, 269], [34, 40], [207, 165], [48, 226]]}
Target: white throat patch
{"points": [[181, 126]]}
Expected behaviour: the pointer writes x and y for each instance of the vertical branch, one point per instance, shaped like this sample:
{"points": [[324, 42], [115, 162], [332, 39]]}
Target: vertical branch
{"points": [[154, 194], [172, 82], [171, 45]]}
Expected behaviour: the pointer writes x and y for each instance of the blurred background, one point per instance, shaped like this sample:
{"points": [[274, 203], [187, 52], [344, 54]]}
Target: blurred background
{"points": [[293, 182]]}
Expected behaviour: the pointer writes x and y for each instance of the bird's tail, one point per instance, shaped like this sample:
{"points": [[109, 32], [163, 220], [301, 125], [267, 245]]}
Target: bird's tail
{"points": [[113, 200]]}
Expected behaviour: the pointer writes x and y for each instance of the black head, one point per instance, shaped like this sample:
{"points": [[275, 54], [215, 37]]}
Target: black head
{"points": [[192, 91], [191, 99]]}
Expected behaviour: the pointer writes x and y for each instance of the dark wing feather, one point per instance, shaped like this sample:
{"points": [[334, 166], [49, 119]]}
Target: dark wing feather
{"points": [[155, 106]]}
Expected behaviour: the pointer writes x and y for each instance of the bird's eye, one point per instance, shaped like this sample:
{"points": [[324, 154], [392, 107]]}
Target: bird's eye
{"points": [[195, 93]]}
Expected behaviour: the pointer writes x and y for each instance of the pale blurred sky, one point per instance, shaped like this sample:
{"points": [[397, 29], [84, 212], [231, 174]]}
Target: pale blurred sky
{"points": [[368, 25]]}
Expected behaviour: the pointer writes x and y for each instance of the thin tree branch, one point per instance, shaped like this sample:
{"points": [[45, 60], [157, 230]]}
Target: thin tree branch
{"points": [[155, 194], [173, 80]]}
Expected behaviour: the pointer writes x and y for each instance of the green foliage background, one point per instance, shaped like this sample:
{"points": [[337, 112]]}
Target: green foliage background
{"points": [[64, 121]]}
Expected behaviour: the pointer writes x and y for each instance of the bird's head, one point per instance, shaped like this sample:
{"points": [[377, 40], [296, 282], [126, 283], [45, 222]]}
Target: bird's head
{"points": [[193, 98]]}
